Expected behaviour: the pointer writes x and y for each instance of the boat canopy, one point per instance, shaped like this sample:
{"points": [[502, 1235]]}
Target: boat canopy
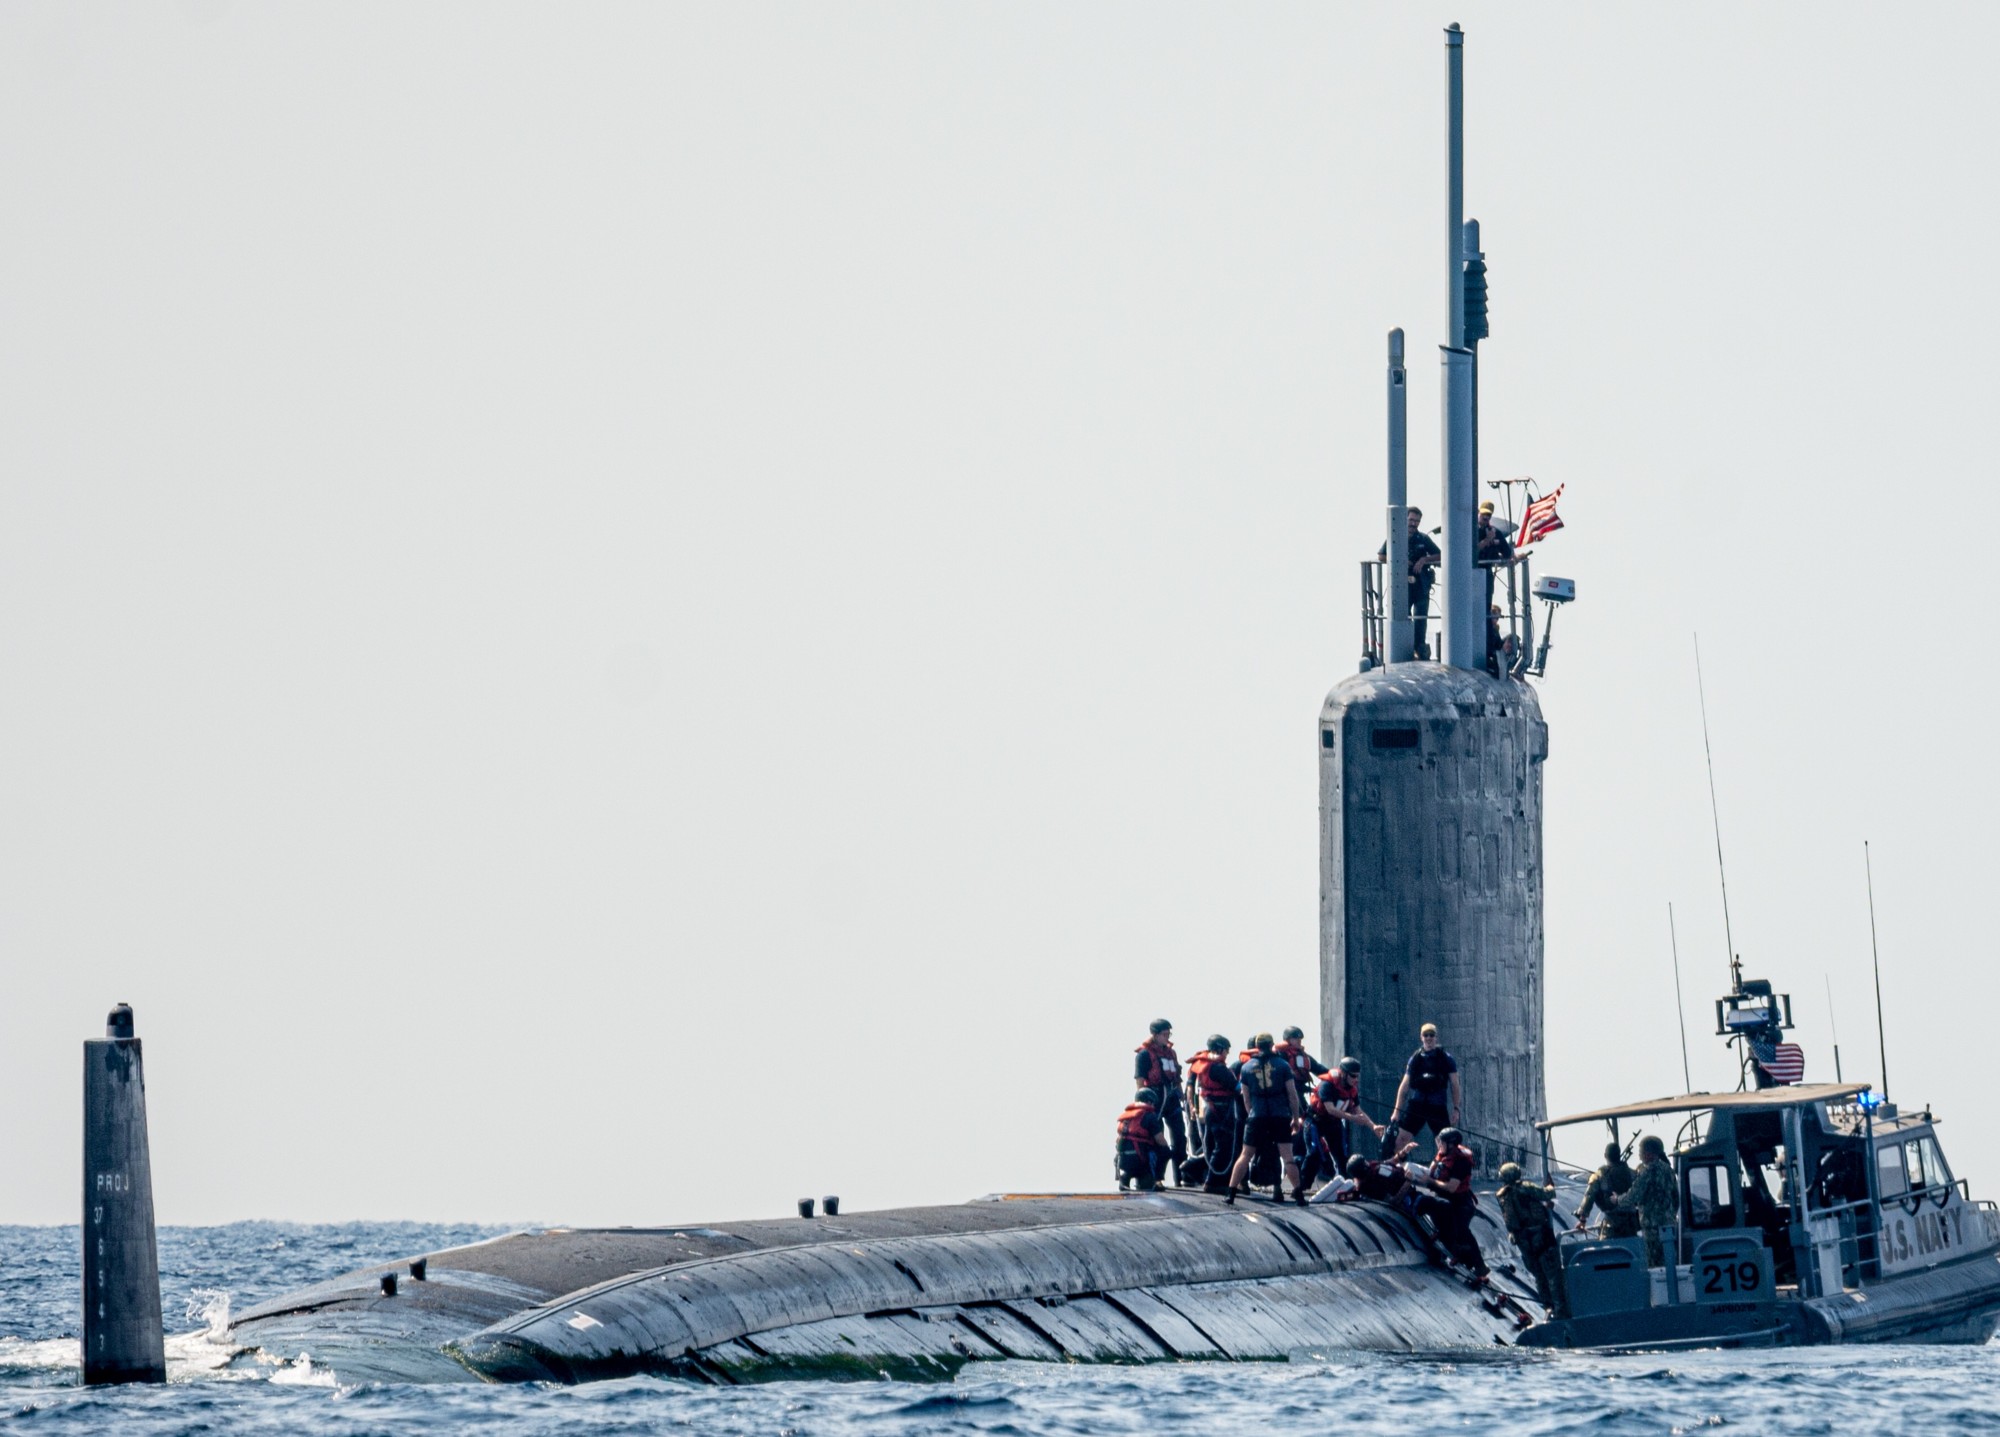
{"points": [[1796, 1095]]}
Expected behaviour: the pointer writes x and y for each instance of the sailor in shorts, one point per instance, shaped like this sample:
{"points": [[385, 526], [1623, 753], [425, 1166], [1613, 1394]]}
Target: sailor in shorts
{"points": [[1429, 1095]]}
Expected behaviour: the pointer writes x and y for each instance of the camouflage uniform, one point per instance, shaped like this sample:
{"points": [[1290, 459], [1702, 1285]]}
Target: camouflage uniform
{"points": [[1526, 1208], [1607, 1185], [1656, 1199]]}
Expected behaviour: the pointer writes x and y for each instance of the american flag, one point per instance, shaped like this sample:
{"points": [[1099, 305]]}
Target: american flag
{"points": [[1785, 1062], [1540, 520]]}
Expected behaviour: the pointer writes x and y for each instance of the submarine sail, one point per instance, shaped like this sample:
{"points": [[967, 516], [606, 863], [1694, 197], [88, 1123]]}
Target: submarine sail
{"points": [[1430, 775]]}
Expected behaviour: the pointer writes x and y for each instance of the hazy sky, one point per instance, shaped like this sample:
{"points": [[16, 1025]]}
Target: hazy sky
{"points": [[625, 613]]}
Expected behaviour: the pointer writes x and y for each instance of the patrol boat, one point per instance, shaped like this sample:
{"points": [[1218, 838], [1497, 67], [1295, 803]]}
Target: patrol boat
{"points": [[1808, 1213]]}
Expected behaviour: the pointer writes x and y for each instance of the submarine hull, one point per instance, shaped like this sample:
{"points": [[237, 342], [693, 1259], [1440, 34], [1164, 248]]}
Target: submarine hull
{"points": [[909, 1293]]}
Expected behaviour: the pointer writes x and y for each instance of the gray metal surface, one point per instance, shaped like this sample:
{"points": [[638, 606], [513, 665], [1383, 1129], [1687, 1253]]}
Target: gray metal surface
{"points": [[122, 1337], [1464, 588], [1051, 1278], [1431, 888], [352, 1327], [1956, 1303], [1454, 186], [534, 1266], [1464, 612], [1399, 635], [913, 1292]]}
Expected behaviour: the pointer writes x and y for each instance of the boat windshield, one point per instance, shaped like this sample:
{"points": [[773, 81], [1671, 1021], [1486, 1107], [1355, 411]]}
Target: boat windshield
{"points": [[1910, 1165]]}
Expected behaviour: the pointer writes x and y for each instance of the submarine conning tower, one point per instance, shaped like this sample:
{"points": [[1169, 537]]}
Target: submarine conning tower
{"points": [[1431, 774], [1431, 888]]}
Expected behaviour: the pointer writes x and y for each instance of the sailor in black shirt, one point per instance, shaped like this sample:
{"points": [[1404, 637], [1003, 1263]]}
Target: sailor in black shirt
{"points": [[1270, 1094], [1429, 1095], [1423, 562]]}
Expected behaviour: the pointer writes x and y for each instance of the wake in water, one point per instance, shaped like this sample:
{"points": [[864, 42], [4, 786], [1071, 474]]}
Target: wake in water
{"points": [[205, 1352], [41, 1287]]}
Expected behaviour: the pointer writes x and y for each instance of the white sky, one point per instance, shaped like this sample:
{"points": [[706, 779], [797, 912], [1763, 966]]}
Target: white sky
{"points": [[627, 613]]}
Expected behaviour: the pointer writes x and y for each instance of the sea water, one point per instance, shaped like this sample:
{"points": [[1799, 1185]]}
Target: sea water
{"points": [[205, 1272]]}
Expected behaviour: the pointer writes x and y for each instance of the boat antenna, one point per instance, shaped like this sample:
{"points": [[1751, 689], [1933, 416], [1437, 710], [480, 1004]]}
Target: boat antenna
{"points": [[1680, 1012], [1868, 866], [1715, 813], [1835, 1026]]}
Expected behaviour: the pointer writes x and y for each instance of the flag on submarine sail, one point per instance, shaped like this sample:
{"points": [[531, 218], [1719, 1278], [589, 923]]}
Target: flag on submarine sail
{"points": [[1540, 520]]}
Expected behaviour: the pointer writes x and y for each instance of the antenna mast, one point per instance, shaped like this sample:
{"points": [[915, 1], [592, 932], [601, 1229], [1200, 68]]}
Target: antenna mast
{"points": [[1835, 1026], [1868, 866], [1680, 1012], [1715, 813], [1464, 586], [1399, 635]]}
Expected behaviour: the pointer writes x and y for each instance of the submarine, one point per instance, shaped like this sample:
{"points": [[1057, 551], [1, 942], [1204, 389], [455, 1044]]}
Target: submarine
{"points": [[1430, 774], [909, 1293], [1807, 1214], [1431, 908]]}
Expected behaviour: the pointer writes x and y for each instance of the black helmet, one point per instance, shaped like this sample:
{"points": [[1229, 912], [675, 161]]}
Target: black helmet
{"points": [[1148, 1096], [1295, 1035], [1217, 1043], [1612, 1152], [1159, 1026], [1356, 1166], [1451, 1137], [1350, 1066], [1652, 1144], [1262, 1043]]}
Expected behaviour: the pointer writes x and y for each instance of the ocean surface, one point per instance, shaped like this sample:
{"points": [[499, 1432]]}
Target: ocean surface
{"points": [[206, 1271]]}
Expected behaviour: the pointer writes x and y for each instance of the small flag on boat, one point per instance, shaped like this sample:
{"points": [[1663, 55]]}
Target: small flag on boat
{"points": [[1782, 1062], [1540, 520]]}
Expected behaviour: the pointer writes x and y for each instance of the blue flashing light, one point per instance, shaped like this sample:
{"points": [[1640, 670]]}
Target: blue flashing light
{"points": [[1868, 1098]]}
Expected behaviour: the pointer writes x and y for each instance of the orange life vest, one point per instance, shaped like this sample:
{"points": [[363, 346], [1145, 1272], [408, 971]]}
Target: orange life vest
{"points": [[1296, 1054], [1165, 1069], [1211, 1074], [1333, 1093], [1132, 1124]]}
